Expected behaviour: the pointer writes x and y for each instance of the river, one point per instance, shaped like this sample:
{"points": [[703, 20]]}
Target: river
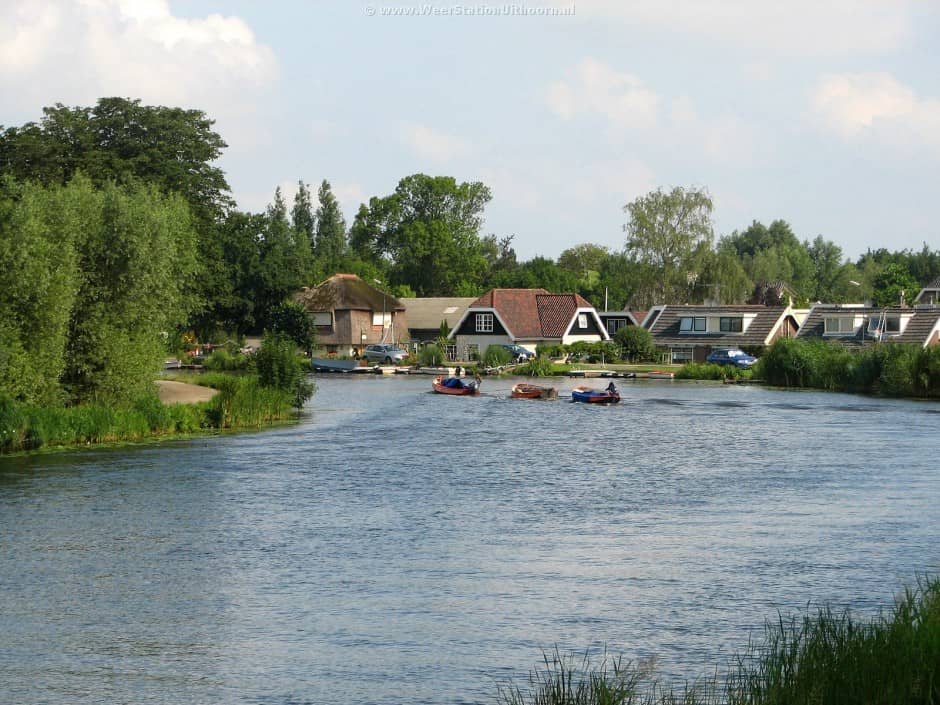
{"points": [[398, 546]]}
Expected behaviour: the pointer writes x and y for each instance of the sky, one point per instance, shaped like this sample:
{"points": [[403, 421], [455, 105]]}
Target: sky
{"points": [[823, 114]]}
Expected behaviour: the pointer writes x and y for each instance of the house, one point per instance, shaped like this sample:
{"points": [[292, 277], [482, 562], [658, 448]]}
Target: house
{"points": [[425, 316], [527, 317], [859, 324], [349, 314], [689, 333], [930, 294]]}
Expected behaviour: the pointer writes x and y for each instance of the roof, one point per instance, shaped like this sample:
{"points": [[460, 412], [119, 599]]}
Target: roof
{"points": [[347, 292], [665, 329], [533, 313], [931, 288], [918, 329], [427, 313]]}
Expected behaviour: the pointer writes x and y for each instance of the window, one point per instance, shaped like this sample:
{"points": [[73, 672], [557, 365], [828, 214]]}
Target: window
{"points": [[484, 323], [838, 325], [323, 319], [378, 318], [692, 325], [890, 324], [615, 324], [681, 355], [473, 351], [728, 324], [582, 320]]}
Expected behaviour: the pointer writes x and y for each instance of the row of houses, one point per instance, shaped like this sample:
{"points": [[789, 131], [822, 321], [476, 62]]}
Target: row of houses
{"points": [[349, 314]]}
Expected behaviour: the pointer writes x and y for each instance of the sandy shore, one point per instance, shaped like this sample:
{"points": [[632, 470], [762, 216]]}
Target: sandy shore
{"points": [[182, 393]]}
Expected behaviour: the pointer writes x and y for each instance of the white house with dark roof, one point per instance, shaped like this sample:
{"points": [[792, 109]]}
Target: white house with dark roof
{"points": [[689, 333], [526, 317], [857, 324]]}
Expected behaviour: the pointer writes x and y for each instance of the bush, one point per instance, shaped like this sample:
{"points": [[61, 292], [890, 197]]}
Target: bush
{"points": [[496, 356], [279, 367], [554, 351], [432, 355], [707, 370], [223, 361], [636, 343], [539, 367]]}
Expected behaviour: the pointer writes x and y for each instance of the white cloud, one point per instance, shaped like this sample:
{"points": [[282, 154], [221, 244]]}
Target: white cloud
{"points": [[434, 145], [76, 51], [594, 88], [878, 107], [792, 28]]}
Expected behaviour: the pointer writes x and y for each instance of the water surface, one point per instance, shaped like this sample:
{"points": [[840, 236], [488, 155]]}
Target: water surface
{"points": [[398, 546]]}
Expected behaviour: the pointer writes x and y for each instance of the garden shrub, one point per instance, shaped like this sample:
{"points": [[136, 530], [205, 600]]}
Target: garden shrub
{"points": [[496, 356]]}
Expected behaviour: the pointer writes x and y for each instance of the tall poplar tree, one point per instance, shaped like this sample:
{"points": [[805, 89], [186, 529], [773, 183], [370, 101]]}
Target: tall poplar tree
{"points": [[331, 246]]}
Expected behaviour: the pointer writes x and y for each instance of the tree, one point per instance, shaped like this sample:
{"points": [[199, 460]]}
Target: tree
{"points": [[137, 256], [585, 261], [302, 218], [636, 343], [827, 269], [292, 321], [331, 247], [429, 231], [284, 261], [39, 279], [663, 233], [121, 140], [892, 285]]}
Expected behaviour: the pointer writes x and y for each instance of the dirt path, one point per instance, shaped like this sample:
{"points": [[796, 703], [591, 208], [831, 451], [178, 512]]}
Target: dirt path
{"points": [[182, 393]]}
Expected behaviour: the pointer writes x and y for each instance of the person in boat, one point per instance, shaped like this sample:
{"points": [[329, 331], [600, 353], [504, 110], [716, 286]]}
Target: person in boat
{"points": [[612, 388]]}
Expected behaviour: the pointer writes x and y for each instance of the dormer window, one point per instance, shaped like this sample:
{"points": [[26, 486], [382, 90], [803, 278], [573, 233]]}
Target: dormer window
{"points": [[839, 325], [582, 320], [484, 323], [692, 324], [731, 324]]}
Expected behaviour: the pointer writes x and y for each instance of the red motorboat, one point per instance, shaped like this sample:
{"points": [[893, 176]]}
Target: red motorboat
{"points": [[524, 390], [456, 385]]}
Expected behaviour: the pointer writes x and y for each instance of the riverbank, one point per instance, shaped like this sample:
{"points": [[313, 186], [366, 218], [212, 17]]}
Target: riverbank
{"points": [[175, 409]]}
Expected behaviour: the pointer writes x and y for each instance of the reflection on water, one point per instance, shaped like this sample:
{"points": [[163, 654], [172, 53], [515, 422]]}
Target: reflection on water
{"points": [[401, 546]]}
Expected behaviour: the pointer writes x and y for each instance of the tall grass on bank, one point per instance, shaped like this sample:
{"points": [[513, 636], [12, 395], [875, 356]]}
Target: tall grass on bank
{"points": [[242, 402], [890, 369], [707, 370], [820, 659]]}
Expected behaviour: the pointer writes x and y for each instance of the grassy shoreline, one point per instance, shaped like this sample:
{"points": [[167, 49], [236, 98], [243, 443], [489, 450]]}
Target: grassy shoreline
{"points": [[241, 404]]}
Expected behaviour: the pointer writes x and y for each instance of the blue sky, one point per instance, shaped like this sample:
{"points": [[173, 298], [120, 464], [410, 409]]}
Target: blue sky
{"points": [[826, 115]]}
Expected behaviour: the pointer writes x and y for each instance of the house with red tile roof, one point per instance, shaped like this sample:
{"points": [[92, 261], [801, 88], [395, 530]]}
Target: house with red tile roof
{"points": [[526, 317]]}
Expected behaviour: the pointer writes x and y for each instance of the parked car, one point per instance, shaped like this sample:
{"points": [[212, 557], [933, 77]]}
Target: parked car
{"points": [[731, 356], [519, 353], [389, 353]]}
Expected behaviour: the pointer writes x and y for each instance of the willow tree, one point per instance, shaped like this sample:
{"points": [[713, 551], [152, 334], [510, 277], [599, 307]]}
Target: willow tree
{"points": [[39, 280], [665, 232], [137, 257]]}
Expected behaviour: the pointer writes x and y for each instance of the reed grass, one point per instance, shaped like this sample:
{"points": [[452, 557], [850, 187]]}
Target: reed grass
{"points": [[242, 402], [826, 658], [707, 370]]}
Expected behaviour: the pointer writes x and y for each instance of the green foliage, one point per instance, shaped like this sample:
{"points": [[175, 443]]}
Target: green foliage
{"points": [[636, 343], [824, 657], [138, 260], [697, 370], [223, 361], [279, 368], [432, 355], [331, 246], [539, 367], [551, 351], [563, 681], [892, 285], [663, 233], [291, 320], [496, 356], [429, 231], [595, 351], [890, 369]]}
